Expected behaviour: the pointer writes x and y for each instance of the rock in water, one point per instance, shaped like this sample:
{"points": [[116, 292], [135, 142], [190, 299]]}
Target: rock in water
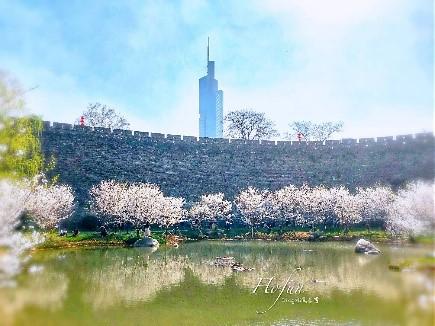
{"points": [[366, 247], [146, 242], [224, 261]]}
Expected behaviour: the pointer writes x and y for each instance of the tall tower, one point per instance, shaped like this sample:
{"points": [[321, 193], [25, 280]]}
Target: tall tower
{"points": [[211, 103]]}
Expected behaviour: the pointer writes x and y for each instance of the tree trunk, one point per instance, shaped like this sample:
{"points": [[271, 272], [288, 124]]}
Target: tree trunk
{"points": [[166, 241]]}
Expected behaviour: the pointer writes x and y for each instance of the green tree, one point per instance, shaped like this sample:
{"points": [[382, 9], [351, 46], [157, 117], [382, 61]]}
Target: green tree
{"points": [[20, 147]]}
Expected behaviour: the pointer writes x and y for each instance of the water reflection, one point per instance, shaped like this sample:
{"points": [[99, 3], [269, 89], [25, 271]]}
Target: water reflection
{"points": [[128, 278], [42, 289], [134, 277]]}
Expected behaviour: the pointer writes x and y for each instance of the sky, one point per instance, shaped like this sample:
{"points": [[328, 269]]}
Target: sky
{"points": [[368, 63]]}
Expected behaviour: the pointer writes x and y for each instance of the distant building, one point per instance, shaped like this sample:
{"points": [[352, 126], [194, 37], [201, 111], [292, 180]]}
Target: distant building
{"points": [[211, 103]]}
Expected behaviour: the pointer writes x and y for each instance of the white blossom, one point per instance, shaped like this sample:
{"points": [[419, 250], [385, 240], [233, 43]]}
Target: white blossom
{"points": [[374, 203], [210, 208], [254, 206], [412, 211], [171, 211], [12, 204], [286, 204], [13, 197], [346, 207], [138, 203], [47, 205]]}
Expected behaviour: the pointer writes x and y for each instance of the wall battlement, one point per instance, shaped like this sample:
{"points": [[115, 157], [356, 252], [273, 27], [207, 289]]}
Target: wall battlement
{"points": [[399, 139], [188, 166]]}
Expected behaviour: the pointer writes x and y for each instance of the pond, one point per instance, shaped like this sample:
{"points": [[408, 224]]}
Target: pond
{"points": [[295, 283]]}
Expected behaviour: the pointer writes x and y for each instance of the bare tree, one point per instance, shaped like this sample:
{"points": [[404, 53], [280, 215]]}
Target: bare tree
{"points": [[315, 131], [248, 124], [100, 115], [303, 128]]}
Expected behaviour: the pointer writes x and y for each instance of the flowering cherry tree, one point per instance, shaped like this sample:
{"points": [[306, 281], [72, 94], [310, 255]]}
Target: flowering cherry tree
{"points": [[374, 203], [139, 204], [170, 212], [412, 212], [347, 208], [254, 205], [210, 208], [318, 204], [108, 201], [12, 204], [286, 204], [45, 204], [13, 197], [48, 205]]}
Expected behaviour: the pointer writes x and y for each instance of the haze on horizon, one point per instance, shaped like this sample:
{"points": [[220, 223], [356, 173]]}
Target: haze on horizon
{"points": [[368, 63]]}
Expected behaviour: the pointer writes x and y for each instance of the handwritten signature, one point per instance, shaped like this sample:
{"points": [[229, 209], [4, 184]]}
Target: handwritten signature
{"points": [[290, 287]]}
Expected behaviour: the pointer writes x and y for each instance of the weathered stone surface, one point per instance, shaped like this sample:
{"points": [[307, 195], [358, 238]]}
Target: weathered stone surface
{"points": [[190, 168], [224, 261], [366, 247], [146, 242]]}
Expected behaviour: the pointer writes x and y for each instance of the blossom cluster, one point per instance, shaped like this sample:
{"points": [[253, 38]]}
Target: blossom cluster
{"points": [[410, 210], [210, 208], [413, 210], [138, 204], [45, 204]]}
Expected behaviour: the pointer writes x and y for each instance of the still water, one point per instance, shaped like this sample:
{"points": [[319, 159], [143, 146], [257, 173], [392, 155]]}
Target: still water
{"points": [[324, 284]]}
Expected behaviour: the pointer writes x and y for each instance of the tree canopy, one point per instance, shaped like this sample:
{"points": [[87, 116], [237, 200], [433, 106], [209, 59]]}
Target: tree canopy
{"points": [[20, 148], [315, 131], [100, 115], [249, 124]]}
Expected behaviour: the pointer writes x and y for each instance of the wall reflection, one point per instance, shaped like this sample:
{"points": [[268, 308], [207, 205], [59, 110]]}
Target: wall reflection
{"points": [[127, 277]]}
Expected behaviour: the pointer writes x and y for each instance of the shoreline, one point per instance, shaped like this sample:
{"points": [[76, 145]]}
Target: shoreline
{"points": [[94, 240]]}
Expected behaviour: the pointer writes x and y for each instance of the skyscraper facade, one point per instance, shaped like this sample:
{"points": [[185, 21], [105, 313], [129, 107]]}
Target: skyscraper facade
{"points": [[211, 103]]}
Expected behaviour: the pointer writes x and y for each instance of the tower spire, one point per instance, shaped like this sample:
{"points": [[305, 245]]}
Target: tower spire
{"points": [[208, 49]]}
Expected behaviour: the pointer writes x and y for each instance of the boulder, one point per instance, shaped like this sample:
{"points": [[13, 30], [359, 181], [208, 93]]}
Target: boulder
{"points": [[146, 242], [224, 261], [231, 262], [366, 247]]}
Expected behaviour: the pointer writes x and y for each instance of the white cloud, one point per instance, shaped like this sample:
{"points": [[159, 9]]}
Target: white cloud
{"points": [[358, 61]]}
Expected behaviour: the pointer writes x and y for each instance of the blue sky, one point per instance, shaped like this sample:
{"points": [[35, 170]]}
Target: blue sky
{"points": [[368, 63]]}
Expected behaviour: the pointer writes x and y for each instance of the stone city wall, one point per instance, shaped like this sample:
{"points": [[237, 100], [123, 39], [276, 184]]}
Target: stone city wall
{"points": [[189, 166]]}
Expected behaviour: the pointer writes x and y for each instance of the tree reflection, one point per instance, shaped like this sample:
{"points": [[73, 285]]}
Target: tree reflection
{"points": [[43, 289]]}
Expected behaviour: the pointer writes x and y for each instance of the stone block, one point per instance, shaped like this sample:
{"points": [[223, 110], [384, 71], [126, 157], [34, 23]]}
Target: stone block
{"points": [[190, 138], [384, 140], [332, 142], [366, 141], [141, 134], [122, 132], [348, 141], [173, 137], [102, 130], [284, 143], [157, 135], [60, 125]]}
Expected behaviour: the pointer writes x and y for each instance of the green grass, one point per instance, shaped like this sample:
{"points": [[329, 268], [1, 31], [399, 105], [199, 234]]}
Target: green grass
{"points": [[289, 234], [419, 263], [92, 239], [424, 239], [124, 238]]}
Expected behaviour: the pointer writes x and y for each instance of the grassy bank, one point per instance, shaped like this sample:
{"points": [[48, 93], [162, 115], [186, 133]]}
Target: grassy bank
{"points": [[125, 239], [93, 239]]}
